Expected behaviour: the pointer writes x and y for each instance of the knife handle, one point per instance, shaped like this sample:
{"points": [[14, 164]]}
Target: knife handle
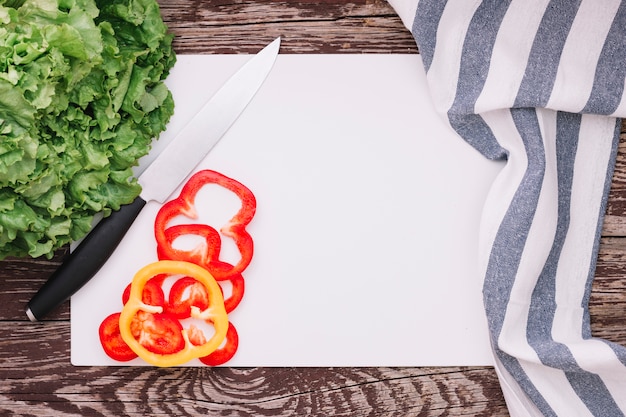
{"points": [[85, 261]]}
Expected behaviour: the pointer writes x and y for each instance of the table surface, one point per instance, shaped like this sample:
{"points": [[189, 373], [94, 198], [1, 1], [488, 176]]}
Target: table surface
{"points": [[36, 377]]}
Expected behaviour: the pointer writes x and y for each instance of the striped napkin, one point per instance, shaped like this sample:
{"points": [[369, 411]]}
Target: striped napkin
{"points": [[540, 84]]}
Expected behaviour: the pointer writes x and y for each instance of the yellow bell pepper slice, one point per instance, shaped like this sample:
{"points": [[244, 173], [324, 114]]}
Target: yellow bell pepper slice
{"points": [[215, 314]]}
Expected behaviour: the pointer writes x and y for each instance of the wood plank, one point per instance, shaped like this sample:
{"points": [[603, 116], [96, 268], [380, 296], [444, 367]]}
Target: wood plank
{"points": [[19, 281], [205, 26], [48, 384], [608, 297], [614, 224]]}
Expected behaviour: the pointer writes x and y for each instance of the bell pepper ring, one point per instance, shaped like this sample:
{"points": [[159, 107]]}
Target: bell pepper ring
{"points": [[202, 254], [226, 352], [111, 339], [187, 292], [235, 229], [215, 314], [236, 280]]}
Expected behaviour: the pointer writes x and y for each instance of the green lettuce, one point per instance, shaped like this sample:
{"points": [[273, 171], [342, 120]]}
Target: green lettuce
{"points": [[81, 99]]}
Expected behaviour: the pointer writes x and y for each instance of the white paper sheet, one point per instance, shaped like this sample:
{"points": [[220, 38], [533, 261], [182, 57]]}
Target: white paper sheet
{"points": [[367, 222]]}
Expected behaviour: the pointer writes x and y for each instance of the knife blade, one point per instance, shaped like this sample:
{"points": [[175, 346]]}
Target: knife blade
{"points": [[158, 181]]}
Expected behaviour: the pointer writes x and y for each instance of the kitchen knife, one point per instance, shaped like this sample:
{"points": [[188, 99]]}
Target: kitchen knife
{"points": [[158, 181]]}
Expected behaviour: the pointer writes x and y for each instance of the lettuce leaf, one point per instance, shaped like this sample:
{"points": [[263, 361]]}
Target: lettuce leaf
{"points": [[81, 99]]}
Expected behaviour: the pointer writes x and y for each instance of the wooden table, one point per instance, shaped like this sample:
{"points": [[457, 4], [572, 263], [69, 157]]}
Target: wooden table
{"points": [[37, 377]]}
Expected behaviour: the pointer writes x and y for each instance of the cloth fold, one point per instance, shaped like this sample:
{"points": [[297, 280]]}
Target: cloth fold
{"points": [[540, 84]]}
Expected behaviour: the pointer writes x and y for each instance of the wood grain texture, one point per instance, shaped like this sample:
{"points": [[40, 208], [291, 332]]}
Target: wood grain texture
{"points": [[36, 377], [206, 26]]}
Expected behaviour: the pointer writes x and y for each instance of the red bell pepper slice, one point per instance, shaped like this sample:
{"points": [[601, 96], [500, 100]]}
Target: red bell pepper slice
{"points": [[152, 293], [205, 256], [222, 354], [109, 331], [111, 339], [234, 229], [225, 352], [202, 254], [236, 280], [187, 292], [160, 333]]}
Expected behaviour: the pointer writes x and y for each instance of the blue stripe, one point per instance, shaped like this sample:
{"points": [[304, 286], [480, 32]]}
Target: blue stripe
{"points": [[594, 393], [476, 56], [475, 61], [478, 134], [608, 85], [427, 17], [543, 60], [509, 245]]}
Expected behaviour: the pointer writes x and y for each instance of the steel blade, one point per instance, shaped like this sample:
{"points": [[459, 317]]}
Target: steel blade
{"points": [[206, 128]]}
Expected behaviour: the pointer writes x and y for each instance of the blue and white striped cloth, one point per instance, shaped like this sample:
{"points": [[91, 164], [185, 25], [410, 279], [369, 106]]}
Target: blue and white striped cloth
{"points": [[540, 84]]}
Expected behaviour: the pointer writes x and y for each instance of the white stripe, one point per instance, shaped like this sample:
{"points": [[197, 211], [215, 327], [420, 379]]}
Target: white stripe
{"points": [[552, 383], [575, 76], [443, 72], [510, 55], [592, 157], [501, 192]]}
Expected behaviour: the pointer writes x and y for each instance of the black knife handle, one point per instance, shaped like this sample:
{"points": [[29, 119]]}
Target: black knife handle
{"points": [[85, 261]]}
